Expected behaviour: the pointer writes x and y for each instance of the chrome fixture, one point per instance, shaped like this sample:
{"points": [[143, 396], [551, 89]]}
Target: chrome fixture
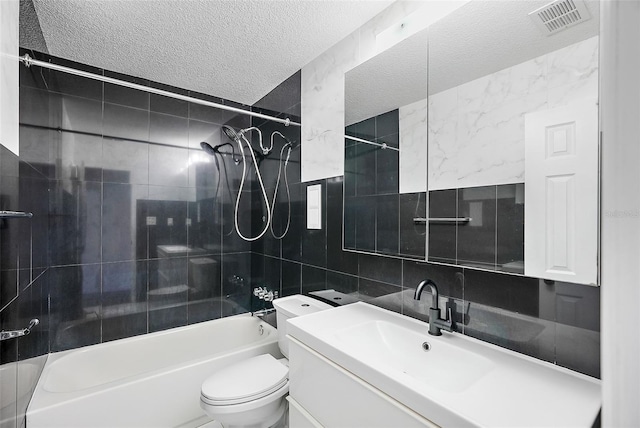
{"points": [[240, 139], [442, 220], [215, 150], [383, 146], [28, 61], [4, 335], [237, 136], [263, 293], [15, 214], [288, 146], [436, 324], [262, 312]]}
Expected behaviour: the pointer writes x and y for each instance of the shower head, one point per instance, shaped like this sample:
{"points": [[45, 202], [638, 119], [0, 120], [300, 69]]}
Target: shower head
{"points": [[231, 133], [208, 149], [213, 150]]}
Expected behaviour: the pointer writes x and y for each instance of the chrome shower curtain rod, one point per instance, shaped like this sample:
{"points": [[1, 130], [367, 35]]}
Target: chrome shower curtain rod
{"points": [[28, 61], [383, 146]]}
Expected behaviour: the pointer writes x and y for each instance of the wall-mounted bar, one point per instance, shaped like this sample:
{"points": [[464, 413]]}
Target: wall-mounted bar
{"points": [[442, 220], [15, 214], [384, 146], [4, 335], [28, 61]]}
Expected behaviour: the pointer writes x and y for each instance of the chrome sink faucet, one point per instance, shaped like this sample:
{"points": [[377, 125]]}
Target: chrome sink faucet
{"points": [[436, 324]]}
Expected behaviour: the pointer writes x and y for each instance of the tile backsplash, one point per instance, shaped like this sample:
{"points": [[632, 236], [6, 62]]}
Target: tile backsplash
{"points": [[131, 232], [492, 238], [552, 321]]}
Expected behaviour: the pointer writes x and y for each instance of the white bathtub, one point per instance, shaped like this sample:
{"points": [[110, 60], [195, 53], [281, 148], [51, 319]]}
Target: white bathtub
{"points": [[151, 380]]}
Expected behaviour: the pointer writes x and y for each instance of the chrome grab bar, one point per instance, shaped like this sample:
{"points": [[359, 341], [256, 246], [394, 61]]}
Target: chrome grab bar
{"points": [[15, 214], [4, 335], [443, 220]]}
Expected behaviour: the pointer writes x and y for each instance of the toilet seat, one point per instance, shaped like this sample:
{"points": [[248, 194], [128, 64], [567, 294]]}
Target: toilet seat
{"points": [[245, 381]]}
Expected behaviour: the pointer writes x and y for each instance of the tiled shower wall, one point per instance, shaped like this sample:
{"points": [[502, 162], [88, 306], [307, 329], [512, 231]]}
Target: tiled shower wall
{"points": [[552, 321], [132, 227], [137, 214]]}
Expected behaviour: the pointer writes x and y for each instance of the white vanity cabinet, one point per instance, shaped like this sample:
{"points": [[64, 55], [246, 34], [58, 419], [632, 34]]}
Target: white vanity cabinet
{"points": [[359, 365], [323, 394]]}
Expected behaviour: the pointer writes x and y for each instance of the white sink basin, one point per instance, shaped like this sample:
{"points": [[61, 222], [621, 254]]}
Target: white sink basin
{"points": [[459, 381], [410, 353]]}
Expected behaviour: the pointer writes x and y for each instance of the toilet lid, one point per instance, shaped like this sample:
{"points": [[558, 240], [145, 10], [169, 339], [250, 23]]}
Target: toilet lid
{"points": [[246, 380]]}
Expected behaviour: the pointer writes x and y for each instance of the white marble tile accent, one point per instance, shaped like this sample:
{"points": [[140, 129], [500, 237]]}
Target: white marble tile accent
{"points": [[480, 143], [443, 130], [413, 147], [322, 96], [476, 130], [573, 63], [322, 111], [9, 80]]}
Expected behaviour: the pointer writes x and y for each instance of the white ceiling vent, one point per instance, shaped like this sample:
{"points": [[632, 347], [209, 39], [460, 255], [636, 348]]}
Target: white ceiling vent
{"points": [[560, 14]]}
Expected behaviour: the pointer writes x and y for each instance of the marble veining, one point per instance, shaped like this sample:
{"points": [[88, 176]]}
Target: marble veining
{"points": [[322, 111], [322, 95], [476, 130], [413, 147]]}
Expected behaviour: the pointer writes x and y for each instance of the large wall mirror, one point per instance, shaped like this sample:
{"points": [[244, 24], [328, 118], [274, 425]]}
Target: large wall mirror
{"points": [[386, 152], [504, 147]]}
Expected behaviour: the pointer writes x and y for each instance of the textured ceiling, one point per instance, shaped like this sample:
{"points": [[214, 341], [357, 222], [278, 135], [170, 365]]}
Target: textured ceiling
{"points": [[478, 39], [238, 50]]}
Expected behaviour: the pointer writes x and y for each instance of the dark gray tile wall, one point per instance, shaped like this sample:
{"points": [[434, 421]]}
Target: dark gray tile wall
{"points": [[138, 213], [377, 218], [493, 239], [131, 222], [555, 322], [23, 284]]}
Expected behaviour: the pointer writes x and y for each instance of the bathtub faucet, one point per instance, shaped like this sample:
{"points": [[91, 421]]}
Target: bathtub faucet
{"points": [[262, 312]]}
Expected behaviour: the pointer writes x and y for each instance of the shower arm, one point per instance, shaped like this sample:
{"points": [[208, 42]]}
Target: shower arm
{"points": [[289, 143], [265, 151]]}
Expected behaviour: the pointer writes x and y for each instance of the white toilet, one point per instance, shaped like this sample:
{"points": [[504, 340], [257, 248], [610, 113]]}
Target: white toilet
{"points": [[251, 393]]}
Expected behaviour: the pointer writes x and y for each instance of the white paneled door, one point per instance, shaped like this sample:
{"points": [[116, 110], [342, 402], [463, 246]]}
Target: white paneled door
{"points": [[561, 193]]}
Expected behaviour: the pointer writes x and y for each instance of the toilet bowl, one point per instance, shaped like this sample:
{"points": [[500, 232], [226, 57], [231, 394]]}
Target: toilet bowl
{"points": [[251, 393]]}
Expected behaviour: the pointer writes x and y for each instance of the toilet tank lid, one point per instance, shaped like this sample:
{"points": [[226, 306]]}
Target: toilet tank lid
{"points": [[298, 305], [246, 379]]}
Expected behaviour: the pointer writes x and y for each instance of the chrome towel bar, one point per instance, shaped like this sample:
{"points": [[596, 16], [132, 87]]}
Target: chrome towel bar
{"points": [[15, 214], [442, 220]]}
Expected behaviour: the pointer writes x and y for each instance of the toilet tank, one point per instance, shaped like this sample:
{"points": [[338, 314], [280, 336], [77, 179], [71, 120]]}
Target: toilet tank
{"points": [[290, 307]]}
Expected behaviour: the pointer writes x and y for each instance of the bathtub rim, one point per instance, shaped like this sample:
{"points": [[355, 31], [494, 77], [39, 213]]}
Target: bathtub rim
{"points": [[44, 398]]}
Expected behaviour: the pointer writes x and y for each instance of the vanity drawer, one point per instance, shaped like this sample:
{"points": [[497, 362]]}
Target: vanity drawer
{"points": [[299, 417], [336, 398]]}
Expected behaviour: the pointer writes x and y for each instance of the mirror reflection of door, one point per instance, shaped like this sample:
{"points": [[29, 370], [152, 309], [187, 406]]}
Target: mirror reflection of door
{"points": [[484, 78]]}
